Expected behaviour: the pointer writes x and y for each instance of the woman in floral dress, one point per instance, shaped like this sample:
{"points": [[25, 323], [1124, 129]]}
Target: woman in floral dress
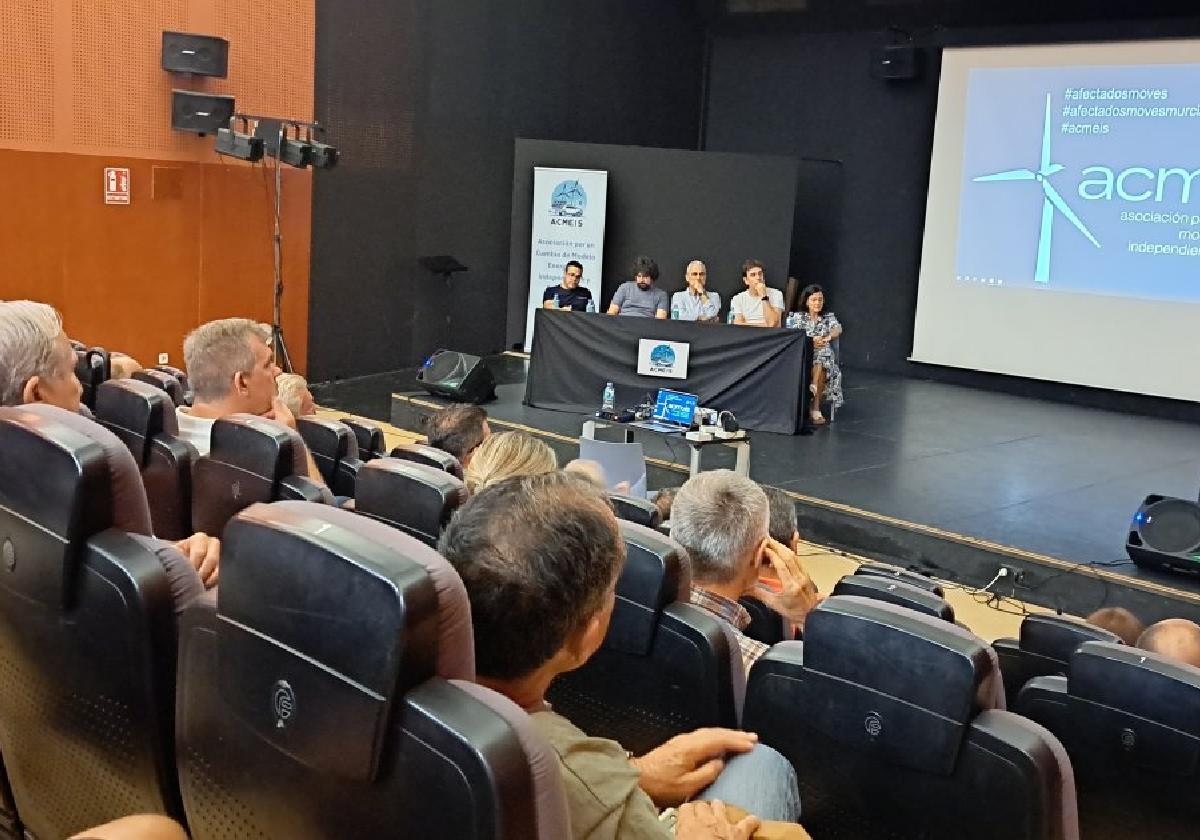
{"points": [[823, 328]]}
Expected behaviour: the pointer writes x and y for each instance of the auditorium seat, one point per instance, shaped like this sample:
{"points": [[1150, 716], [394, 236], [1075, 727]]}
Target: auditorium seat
{"points": [[368, 436], [903, 575], [335, 451], [143, 418], [251, 460], [633, 509], [1044, 648], [889, 718], [164, 382], [895, 591], [325, 690], [766, 625], [665, 667], [91, 368], [416, 498], [87, 629], [424, 454], [1130, 720]]}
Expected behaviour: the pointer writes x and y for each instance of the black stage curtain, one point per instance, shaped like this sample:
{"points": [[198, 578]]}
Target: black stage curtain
{"points": [[761, 375]]}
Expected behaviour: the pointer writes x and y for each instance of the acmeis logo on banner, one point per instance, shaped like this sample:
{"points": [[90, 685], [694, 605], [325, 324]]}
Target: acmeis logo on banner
{"points": [[663, 358]]}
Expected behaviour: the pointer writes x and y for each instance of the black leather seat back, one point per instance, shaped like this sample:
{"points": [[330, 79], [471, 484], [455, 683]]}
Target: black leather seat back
{"points": [[429, 456], [1044, 648], [902, 575], [1130, 720], [335, 451], [250, 460], [311, 703], [896, 592], [665, 667], [164, 382], [91, 368], [86, 637], [369, 438], [633, 509], [887, 716], [144, 419], [766, 625], [416, 498]]}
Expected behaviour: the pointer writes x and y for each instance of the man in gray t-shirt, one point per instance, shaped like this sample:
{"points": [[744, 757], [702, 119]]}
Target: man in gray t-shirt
{"points": [[638, 297]]}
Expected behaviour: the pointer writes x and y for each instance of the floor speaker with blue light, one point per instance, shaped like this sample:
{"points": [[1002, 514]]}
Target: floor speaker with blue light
{"points": [[458, 376], [1165, 535]]}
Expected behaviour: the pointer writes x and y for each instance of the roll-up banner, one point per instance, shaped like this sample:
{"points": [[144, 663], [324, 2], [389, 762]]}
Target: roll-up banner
{"points": [[568, 224]]}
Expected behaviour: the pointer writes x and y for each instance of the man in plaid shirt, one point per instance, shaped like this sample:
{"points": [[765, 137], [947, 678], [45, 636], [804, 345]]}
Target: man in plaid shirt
{"points": [[722, 518]]}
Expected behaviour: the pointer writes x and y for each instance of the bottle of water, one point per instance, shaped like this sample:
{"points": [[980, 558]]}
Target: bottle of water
{"points": [[556, 304], [674, 313], [591, 307], [792, 321], [729, 317], [610, 398]]}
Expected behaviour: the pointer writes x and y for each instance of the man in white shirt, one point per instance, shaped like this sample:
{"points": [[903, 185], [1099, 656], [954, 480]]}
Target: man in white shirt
{"points": [[758, 306], [231, 371]]}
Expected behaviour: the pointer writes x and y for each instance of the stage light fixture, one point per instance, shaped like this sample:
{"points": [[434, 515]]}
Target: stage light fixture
{"points": [[236, 145], [322, 155], [294, 152]]}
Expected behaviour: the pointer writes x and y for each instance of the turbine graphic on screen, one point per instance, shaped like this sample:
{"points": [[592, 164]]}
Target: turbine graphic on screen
{"points": [[1051, 200]]}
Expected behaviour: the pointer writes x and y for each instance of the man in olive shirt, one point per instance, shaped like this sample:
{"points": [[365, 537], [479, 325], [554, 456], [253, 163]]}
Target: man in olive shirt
{"points": [[541, 599]]}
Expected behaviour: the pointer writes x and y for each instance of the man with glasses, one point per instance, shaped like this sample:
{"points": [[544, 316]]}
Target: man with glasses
{"points": [[569, 296]]}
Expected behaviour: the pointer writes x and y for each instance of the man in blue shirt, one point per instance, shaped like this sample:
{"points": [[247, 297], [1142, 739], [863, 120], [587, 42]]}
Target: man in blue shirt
{"points": [[638, 297], [696, 303], [568, 296]]}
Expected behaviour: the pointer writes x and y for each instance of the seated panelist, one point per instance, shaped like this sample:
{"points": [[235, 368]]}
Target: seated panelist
{"points": [[638, 297], [568, 296], [758, 306], [696, 303]]}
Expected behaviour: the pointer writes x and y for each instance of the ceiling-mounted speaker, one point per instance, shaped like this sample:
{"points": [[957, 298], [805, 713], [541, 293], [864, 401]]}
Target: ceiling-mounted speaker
{"points": [[200, 55], [200, 113], [898, 62]]}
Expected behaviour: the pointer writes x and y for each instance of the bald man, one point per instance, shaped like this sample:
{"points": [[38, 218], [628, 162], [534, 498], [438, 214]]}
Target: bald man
{"points": [[1174, 638], [696, 303]]}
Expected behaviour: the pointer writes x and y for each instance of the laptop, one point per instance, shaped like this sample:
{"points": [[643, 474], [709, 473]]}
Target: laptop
{"points": [[673, 412]]}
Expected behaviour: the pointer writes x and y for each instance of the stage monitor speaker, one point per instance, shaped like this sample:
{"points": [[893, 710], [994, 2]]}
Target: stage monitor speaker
{"points": [[458, 376], [1165, 535], [200, 55], [895, 63], [200, 113]]}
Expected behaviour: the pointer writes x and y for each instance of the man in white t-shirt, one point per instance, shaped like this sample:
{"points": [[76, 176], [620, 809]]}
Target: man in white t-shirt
{"points": [[758, 306]]}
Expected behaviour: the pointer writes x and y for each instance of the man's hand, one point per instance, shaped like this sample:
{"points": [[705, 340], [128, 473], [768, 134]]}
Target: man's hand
{"points": [[799, 595], [280, 413], [759, 290], [204, 553], [708, 821], [685, 765]]}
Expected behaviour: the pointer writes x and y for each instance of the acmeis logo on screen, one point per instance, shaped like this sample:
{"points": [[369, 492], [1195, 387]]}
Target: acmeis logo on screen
{"points": [[1078, 179]]}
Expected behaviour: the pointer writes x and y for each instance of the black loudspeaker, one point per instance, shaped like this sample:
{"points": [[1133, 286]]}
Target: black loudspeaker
{"points": [[895, 63], [458, 376], [1165, 535], [200, 55], [200, 113]]}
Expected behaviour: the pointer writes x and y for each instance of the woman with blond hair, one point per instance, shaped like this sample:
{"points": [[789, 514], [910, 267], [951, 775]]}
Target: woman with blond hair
{"points": [[505, 455]]}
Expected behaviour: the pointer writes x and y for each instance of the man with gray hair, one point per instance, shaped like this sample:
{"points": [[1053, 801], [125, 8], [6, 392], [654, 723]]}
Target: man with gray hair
{"points": [[696, 303], [722, 520], [232, 371], [293, 390]]}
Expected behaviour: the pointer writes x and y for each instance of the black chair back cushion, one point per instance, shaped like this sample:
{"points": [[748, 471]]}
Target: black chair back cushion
{"points": [[664, 667], [633, 509], [308, 703], [369, 437], [766, 625], [903, 575], [884, 713], [87, 647], [144, 419], [429, 456], [1130, 720], [416, 498], [1044, 648], [164, 382], [894, 591]]}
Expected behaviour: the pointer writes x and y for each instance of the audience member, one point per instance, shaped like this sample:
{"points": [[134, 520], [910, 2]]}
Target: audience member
{"points": [[1175, 638], [140, 827], [293, 390], [759, 305], [458, 429], [638, 297], [1120, 621], [37, 365], [783, 529], [722, 519], [663, 500], [542, 595], [506, 455], [231, 371], [122, 366]]}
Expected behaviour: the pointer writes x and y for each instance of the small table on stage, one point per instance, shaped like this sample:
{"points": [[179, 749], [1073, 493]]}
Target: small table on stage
{"points": [[761, 375], [740, 445]]}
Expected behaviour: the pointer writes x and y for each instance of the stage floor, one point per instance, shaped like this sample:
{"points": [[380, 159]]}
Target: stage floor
{"points": [[1042, 477]]}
